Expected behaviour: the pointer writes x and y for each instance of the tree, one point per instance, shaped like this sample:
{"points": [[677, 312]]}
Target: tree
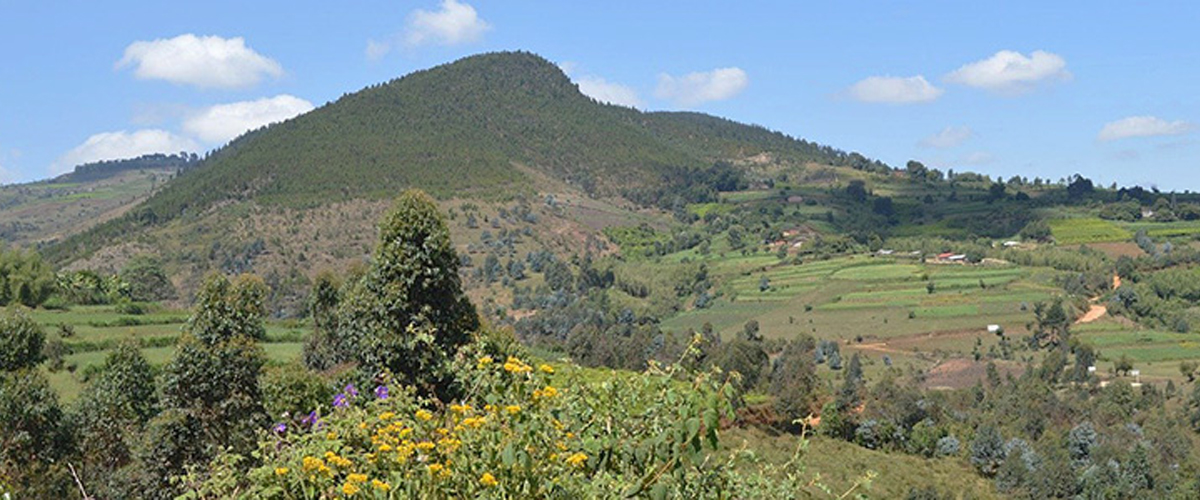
{"points": [[408, 315], [110, 417], [212, 383], [1037, 230], [21, 341], [850, 395], [325, 349], [794, 382], [750, 331], [1053, 325], [1080, 441], [147, 280], [987, 450], [857, 190], [32, 435]]}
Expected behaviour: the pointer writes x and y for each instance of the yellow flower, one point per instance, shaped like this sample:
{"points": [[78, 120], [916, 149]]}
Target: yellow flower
{"points": [[331, 435], [312, 463], [460, 409], [424, 415], [577, 459], [387, 415], [281, 471], [349, 489], [385, 447], [512, 409], [434, 468], [356, 478], [545, 368], [380, 485], [425, 446], [487, 479], [484, 361]]}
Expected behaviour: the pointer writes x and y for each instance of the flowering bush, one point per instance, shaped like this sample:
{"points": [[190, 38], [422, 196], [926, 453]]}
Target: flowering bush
{"points": [[520, 431]]}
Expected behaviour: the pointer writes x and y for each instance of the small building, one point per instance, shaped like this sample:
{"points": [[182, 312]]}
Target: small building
{"points": [[993, 329], [886, 252], [945, 256], [1011, 243], [958, 257]]}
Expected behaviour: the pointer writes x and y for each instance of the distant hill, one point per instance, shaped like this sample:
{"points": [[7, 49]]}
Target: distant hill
{"points": [[38, 213], [488, 128]]}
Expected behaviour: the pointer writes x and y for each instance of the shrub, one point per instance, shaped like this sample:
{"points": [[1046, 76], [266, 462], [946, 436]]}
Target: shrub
{"points": [[21, 341]]}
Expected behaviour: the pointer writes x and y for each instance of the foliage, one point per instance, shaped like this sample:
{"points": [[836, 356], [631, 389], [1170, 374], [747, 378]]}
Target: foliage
{"points": [[21, 341], [147, 281], [33, 437], [408, 316], [25, 278]]}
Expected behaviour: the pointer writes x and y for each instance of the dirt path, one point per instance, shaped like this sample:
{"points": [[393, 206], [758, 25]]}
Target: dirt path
{"points": [[1094, 313], [1097, 311]]}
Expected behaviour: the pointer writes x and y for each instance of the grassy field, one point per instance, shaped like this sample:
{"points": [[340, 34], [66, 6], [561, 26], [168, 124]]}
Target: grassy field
{"points": [[1086, 230], [98, 329], [838, 464], [1175, 229]]}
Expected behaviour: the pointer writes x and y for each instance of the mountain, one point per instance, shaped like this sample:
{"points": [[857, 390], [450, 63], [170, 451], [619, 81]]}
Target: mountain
{"points": [[490, 128], [35, 213]]}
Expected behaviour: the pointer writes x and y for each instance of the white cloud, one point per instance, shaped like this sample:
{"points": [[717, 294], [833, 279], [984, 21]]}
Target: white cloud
{"points": [[949, 137], [120, 145], [894, 90], [223, 122], [206, 62], [1008, 71], [1143, 126], [610, 92], [454, 24], [700, 87]]}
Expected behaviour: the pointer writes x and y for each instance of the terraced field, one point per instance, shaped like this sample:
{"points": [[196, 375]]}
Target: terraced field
{"points": [[90, 332]]}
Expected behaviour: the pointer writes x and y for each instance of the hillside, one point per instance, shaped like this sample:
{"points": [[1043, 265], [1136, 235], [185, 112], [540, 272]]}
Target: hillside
{"points": [[491, 128], [36, 213]]}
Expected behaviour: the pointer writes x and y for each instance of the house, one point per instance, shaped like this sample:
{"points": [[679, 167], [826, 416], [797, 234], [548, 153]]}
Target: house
{"points": [[957, 258], [795, 199], [886, 252], [1010, 244], [993, 329], [945, 256]]}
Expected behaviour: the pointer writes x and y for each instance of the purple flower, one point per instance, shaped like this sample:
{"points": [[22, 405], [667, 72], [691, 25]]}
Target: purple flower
{"points": [[353, 392], [280, 428], [381, 392], [310, 419], [339, 401]]}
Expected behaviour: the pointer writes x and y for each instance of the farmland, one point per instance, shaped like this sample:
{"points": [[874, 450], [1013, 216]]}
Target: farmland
{"points": [[91, 332]]}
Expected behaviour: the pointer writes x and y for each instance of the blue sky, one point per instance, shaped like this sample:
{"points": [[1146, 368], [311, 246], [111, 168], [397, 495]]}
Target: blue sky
{"points": [[1106, 89]]}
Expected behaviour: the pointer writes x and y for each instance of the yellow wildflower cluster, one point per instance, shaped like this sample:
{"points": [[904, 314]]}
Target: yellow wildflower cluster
{"points": [[487, 479], [313, 466], [514, 365], [337, 460], [380, 485], [577, 459], [547, 369], [512, 409], [548, 392], [484, 361], [424, 415], [281, 471]]}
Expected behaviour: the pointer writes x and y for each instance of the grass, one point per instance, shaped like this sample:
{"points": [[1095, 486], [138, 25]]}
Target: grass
{"points": [[839, 464], [98, 329], [1086, 230]]}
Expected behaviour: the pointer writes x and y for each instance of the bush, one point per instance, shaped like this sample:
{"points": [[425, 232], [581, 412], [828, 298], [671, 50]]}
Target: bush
{"points": [[21, 341]]}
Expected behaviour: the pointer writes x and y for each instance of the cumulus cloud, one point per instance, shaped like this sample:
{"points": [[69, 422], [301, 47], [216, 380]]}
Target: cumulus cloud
{"points": [[1008, 71], [894, 90], [223, 122], [701, 87], [1143, 126], [610, 92], [949, 137], [122, 144], [455, 23], [206, 62]]}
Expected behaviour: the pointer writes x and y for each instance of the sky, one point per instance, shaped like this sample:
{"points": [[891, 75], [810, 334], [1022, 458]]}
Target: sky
{"points": [[1032, 88]]}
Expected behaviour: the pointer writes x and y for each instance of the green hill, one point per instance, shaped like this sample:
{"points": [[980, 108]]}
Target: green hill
{"points": [[490, 128]]}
